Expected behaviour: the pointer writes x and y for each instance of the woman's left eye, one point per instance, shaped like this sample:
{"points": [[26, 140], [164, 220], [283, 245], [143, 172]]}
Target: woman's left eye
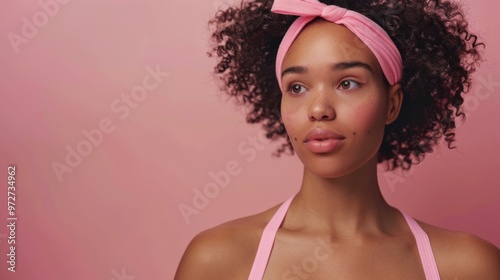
{"points": [[348, 84]]}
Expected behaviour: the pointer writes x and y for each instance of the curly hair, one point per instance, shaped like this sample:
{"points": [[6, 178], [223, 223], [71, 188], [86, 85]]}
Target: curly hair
{"points": [[439, 55]]}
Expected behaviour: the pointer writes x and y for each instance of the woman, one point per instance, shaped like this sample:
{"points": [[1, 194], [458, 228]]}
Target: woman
{"points": [[349, 84]]}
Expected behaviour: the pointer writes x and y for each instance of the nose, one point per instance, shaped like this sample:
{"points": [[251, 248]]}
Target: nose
{"points": [[321, 107]]}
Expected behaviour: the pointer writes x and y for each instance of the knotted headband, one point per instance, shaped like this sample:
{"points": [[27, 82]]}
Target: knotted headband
{"points": [[370, 33]]}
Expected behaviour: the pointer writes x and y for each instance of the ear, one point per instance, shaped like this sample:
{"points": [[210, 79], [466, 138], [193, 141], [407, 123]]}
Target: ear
{"points": [[394, 101]]}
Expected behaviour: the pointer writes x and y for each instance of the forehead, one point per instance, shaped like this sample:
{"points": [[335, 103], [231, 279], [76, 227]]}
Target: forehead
{"points": [[326, 42]]}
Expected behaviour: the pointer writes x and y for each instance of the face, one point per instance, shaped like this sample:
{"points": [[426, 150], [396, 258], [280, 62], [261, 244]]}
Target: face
{"points": [[333, 85]]}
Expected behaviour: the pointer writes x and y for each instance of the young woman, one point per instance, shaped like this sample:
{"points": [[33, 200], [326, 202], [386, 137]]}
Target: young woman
{"points": [[349, 84]]}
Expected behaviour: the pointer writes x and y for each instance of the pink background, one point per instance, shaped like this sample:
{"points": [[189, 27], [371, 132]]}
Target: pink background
{"points": [[116, 214]]}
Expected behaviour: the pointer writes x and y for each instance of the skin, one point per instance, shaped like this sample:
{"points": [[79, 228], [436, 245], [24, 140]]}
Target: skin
{"points": [[339, 226]]}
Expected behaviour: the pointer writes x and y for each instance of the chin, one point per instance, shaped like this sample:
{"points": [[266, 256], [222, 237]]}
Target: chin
{"points": [[328, 169], [330, 166]]}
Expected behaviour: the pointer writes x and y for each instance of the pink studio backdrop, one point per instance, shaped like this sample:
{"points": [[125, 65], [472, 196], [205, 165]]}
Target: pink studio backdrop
{"points": [[100, 176]]}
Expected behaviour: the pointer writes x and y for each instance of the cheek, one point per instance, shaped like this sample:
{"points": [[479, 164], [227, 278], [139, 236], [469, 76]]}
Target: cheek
{"points": [[291, 118], [289, 106], [370, 118]]}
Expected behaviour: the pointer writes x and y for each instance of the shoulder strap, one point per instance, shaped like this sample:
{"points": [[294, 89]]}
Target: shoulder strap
{"points": [[424, 249], [267, 241]]}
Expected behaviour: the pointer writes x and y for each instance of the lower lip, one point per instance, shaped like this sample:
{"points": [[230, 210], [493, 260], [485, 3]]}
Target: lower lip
{"points": [[324, 146]]}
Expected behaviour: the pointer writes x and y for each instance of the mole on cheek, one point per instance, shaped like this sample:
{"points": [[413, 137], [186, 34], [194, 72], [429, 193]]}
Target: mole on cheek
{"points": [[295, 139], [354, 133], [368, 132]]}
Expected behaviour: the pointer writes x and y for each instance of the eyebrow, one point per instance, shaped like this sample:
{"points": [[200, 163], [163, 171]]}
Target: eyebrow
{"points": [[335, 67], [351, 64]]}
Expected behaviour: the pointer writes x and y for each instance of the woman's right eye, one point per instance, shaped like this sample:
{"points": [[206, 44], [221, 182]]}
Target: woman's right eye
{"points": [[296, 89]]}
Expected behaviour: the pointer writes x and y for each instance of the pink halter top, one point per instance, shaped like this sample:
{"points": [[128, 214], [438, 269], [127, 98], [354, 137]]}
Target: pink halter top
{"points": [[269, 234]]}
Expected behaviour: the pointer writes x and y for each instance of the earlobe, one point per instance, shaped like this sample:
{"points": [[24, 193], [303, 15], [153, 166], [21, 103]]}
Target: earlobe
{"points": [[394, 101]]}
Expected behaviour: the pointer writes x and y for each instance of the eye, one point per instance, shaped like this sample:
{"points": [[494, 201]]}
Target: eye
{"points": [[296, 89], [348, 84]]}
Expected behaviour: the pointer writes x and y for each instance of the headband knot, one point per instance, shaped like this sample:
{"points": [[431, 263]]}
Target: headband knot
{"points": [[370, 33], [333, 13]]}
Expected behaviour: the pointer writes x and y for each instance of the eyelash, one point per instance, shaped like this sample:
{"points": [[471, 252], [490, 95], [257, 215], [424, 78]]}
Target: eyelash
{"points": [[291, 86], [357, 85], [351, 81]]}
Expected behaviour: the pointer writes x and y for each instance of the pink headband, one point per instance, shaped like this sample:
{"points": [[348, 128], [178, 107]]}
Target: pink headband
{"points": [[370, 33]]}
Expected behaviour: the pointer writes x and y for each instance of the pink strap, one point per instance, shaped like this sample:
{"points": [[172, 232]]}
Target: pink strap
{"points": [[269, 235], [424, 249], [370, 33], [267, 241]]}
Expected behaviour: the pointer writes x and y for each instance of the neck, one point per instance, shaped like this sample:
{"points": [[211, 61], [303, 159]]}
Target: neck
{"points": [[350, 205]]}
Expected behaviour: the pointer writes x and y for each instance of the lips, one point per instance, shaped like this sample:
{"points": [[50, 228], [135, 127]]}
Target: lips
{"points": [[322, 140]]}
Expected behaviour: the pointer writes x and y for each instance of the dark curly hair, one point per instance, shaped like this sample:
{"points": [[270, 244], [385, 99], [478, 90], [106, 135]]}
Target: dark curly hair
{"points": [[439, 55]]}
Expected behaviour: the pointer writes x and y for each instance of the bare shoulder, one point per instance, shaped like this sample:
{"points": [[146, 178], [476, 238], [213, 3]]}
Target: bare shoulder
{"points": [[462, 255], [226, 251]]}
